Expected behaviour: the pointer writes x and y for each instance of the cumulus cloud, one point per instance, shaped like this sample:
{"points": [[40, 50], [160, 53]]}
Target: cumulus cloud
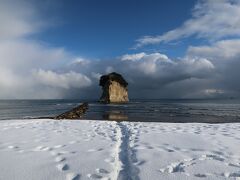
{"points": [[19, 59], [159, 65], [224, 49], [28, 68], [151, 75], [210, 70], [133, 57], [225, 56], [62, 80], [147, 63], [19, 77], [80, 61], [211, 20], [18, 19], [199, 74]]}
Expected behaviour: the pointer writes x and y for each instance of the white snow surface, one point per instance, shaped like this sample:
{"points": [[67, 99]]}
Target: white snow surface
{"points": [[52, 149]]}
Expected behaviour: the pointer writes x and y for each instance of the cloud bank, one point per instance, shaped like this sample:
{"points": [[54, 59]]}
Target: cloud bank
{"points": [[29, 68], [151, 75]]}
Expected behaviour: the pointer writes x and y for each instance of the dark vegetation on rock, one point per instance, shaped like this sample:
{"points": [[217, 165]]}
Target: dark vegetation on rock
{"points": [[114, 88], [112, 77]]}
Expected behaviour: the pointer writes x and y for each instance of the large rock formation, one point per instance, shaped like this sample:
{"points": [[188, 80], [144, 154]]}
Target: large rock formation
{"points": [[114, 88], [75, 113]]}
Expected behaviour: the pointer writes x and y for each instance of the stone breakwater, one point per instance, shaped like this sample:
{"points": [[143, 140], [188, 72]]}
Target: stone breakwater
{"points": [[75, 113]]}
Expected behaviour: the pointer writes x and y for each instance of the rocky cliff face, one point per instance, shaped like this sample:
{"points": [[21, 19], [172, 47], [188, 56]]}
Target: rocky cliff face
{"points": [[114, 88]]}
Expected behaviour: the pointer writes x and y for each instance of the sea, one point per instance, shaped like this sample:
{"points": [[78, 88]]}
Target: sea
{"points": [[158, 110]]}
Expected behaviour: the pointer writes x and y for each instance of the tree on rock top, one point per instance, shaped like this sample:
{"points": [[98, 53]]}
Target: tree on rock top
{"points": [[114, 88]]}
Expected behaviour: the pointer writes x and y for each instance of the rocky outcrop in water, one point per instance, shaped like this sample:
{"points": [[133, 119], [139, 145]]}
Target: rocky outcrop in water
{"points": [[114, 88], [75, 113]]}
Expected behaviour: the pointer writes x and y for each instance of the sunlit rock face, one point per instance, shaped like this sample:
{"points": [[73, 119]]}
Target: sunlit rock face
{"points": [[114, 88]]}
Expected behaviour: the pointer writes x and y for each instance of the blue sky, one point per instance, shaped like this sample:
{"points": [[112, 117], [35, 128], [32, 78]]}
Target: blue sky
{"points": [[164, 48], [109, 28]]}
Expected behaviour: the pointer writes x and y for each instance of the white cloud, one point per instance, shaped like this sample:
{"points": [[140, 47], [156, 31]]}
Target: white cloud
{"points": [[151, 75], [196, 66], [19, 58], [225, 49], [25, 54], [133, 57], [18, 19], [96, 76], [211, 19], [158, 64], [142, 55], [109, 69], [208, 70], [147, 63], [62, 80], [20, 55], [80, 61], [225, 56]]}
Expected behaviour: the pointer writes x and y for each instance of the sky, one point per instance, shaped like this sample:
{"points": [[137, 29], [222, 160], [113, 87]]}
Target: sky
{"points": [[54, 49]]}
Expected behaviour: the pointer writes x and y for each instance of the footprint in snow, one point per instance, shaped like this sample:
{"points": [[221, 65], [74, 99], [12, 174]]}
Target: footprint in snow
{"points": [[39, 148], [94, 150], [94, 176], [12, 147], [72, 142], [102, 171], [62, 167], [233, 165], [47, 149], [109, 160], [232, 174], [200, 175], [211, 157], [21, 151], [54, 153], [72, 176], [59, 159], [59, 146]]}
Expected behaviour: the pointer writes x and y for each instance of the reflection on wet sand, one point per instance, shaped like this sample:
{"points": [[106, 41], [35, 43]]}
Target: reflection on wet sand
{"points": [[115, 115]]}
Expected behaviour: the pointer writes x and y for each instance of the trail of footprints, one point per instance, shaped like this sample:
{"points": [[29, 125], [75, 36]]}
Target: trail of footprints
{"points": [[179, 167], [59, 159], [136, 129]]}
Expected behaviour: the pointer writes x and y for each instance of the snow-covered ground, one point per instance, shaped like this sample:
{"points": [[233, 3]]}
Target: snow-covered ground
{"points": [[51, 149]]}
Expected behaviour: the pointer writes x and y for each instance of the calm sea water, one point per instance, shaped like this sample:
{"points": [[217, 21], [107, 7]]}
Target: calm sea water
{"points": [[136, 110]]}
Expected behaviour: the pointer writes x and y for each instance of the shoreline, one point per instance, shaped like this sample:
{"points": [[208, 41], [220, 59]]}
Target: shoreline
{"points": [[216, 120]]}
